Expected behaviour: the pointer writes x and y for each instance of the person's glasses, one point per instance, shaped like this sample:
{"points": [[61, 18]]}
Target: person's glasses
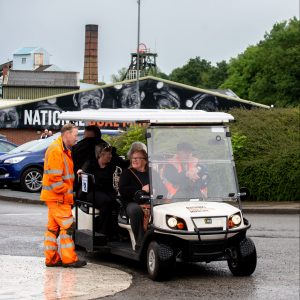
{"points": [[107, 148], [137, 158]]}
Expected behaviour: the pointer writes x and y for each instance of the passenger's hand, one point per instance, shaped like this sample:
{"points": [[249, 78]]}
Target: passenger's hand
{"points": [[79, 172], [145, 188], [192, 174]]}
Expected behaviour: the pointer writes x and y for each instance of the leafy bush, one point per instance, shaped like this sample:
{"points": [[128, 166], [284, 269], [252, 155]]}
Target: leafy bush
{"points": [[124, 141], [268, 158]]}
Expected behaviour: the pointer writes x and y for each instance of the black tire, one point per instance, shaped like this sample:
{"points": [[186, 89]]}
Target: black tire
{"points": [[31, 180], [244, 263], [160, 261]]}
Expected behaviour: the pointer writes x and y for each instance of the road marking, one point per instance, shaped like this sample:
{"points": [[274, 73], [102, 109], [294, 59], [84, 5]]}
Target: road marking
{"points": [[32, 214]]}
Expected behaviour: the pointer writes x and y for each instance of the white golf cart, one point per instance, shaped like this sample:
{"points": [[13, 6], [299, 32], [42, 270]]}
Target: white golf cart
{"points": [[194, 219]]}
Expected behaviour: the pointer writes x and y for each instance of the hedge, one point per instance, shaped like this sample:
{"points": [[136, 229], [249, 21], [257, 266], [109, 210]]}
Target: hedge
{"points": [[268, 158]]}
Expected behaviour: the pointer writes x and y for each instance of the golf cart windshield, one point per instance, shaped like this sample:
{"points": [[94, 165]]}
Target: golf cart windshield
{"points": [[189, 163]]}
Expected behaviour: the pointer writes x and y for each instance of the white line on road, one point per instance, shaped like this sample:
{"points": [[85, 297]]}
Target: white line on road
{"points": [[34, 214]]}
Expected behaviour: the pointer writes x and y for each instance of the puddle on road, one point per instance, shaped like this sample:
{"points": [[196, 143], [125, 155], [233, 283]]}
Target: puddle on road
{"points": [[25, 277]]}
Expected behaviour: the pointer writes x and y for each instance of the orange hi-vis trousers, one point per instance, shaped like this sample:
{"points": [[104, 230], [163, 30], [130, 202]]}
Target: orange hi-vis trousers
{"points": [[60, 223]]}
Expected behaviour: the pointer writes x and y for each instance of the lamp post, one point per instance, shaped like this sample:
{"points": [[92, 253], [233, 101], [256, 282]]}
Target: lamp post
{"points": [[138, 54]]}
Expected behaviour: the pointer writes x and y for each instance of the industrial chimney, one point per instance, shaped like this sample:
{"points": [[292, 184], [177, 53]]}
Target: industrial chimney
{"points": [[90, 74]]}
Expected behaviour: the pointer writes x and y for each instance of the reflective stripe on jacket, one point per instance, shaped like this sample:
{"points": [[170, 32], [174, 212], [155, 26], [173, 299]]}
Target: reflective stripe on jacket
{"points": [[58, 175]]}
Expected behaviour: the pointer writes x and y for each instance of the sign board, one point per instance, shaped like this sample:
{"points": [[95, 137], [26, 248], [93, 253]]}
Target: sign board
{"points": [[84, 183], [154, 94]]}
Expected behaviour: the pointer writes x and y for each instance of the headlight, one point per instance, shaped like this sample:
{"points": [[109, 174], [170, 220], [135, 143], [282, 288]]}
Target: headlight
{"points": [[234, 220], [172, 222], [14, 160], [176, 223]]}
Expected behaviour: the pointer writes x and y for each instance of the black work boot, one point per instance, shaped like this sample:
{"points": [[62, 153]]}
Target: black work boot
{"points": [[57, 264], [76, 264]]}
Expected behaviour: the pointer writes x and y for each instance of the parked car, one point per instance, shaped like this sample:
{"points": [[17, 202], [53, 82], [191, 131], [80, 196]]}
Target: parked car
{"points": [[6, 146], [24, 164]]}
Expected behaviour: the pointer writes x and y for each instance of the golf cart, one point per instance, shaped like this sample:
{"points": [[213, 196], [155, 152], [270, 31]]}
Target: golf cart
{"points": [[202, 221]]}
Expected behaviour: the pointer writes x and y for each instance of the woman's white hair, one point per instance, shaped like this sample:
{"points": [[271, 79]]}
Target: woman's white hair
{"points": [[136, 146]]}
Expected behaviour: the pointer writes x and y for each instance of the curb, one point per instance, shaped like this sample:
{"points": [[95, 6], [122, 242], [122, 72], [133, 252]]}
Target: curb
{"points": [[21, 200], [278, 211], [261, 208]]}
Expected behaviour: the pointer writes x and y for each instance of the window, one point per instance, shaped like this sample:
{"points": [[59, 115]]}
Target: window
{"points": [[23, 60]]}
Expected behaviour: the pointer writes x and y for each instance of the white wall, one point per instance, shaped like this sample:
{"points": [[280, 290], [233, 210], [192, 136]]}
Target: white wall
{"points": [[29, 65]]}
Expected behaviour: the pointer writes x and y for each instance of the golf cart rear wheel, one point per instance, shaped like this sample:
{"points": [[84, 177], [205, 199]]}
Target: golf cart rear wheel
{"points": [[160, 261], [244, 262], [31, 180]]}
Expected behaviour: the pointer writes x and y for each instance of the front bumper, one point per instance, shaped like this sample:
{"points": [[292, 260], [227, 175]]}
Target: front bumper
{"points": [[8, 173], [202, 246]]}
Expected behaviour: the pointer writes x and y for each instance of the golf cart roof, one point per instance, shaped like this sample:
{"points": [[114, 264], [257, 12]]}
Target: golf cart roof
{"points": [[153, 116]]}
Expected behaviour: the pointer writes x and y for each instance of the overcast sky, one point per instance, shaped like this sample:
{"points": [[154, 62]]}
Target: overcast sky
{"points": [[177, 30]]}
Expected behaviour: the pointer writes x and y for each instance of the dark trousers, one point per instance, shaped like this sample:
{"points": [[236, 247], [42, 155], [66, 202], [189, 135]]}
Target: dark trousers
{"points": [[136, 216], [106, 203]]}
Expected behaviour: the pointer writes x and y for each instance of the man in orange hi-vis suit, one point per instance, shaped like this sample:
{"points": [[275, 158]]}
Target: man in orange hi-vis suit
{"points": [[57, 192]]}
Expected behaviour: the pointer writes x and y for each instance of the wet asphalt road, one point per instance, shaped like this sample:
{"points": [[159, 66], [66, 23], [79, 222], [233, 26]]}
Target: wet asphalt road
{"points": [[277, 275]]}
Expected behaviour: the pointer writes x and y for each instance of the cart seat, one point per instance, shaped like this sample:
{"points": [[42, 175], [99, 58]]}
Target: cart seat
{"points": [[87, 208]]}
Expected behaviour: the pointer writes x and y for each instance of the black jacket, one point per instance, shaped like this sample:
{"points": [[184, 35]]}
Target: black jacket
{"points": [[129, 184], [103, 176]]}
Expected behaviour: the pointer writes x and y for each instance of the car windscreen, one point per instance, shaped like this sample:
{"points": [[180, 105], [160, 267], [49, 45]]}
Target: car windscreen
{"points": [[24, 147], [34, 145], [43, 143], [191, 163], [6, 147]]}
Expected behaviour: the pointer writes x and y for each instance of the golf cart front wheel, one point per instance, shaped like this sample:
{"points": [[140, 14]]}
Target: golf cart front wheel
{"points": [[243, 263], [160, 261]]}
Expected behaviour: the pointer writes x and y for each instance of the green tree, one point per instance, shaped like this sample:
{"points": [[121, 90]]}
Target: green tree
{"points": [[269, 72], [120, 76], [193, 73], [200, 73], [124, 141], [218, 74]]}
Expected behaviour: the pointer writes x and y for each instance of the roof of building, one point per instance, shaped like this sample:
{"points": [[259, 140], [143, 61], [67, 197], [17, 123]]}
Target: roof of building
{"points": [[9, 63], [48, 68], [83, 88], [25, 50], [29, 50], [227, 92], [42, 68], [41, 78]]}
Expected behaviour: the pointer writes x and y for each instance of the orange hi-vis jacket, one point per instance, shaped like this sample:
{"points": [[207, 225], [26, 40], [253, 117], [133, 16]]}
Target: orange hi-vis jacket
{"points": [[58, 175], [172, 190]]}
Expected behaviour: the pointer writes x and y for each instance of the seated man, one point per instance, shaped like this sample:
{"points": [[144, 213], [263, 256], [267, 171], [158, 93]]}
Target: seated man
{"points": [[105, 193], [184, 175]]}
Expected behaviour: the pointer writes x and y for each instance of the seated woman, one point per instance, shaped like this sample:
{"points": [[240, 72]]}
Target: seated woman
{"points": [[105, 192], [133, 182]]}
